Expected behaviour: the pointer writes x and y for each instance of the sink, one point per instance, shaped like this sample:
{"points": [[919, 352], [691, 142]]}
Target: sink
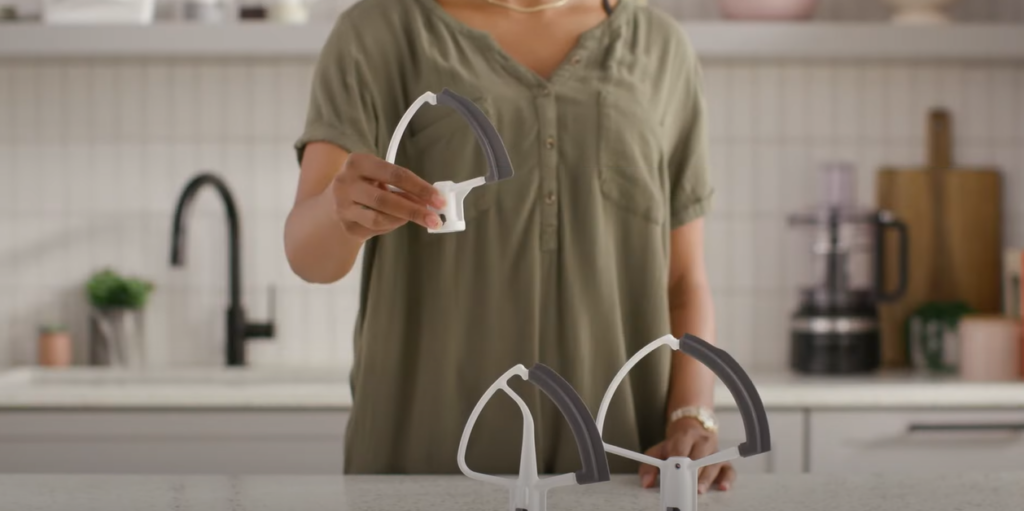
{"points": [[177, 377], [177, 388], [41, 377]]}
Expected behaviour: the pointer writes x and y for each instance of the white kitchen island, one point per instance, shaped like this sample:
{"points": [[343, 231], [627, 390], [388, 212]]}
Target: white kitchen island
{"points": [[968, 491]]}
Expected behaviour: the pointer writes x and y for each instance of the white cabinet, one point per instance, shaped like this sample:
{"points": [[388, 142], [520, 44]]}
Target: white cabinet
{"points": [[173, 442], [787, 433], [916, 441]]}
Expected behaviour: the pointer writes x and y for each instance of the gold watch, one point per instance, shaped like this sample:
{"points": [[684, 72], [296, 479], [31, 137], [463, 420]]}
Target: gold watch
{"points": [[703, 415]]}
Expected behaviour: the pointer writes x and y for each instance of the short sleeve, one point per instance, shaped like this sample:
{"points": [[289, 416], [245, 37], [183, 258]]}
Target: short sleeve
{"points": [[344, 98], [690, 185]]}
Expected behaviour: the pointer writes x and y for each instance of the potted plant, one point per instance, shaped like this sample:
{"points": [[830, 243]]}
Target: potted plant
{"points": [[116, 326]]}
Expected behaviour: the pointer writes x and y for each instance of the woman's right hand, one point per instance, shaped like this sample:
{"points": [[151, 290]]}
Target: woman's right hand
{"points": [[365, 206]]}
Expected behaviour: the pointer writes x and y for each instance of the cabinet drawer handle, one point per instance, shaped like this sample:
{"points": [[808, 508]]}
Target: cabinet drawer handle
{"points": [[1012, 427]]}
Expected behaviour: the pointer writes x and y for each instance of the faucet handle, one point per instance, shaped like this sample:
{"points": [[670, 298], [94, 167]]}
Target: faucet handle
{"points": [[266, 329]]}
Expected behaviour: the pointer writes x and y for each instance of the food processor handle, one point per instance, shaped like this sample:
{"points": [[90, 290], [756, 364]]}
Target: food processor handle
{"points": [[887, 221], [728, 370], [584, 429]]}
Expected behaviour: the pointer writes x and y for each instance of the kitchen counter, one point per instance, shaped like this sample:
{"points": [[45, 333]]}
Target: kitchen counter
{"points": [[320, 389], [907, 492]]}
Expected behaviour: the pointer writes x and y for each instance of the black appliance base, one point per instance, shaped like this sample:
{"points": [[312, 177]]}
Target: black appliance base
{"points": [[835, 353]]}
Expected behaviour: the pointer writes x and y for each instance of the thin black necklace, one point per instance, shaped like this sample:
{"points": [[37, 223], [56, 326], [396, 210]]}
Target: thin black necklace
{"points": [[607, 6]]}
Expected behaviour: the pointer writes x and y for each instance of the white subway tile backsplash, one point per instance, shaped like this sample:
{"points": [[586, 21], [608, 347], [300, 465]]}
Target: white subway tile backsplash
{"points": [[819, 118], [77, 122], [848, 103], [263, 92], [745, 252], [770, 331], [717, 253], [48, 104], [159, 102], [1004, 113], [716, 92], [874, 104], [105, 98], [765, 178], [766, 245], [743, 170], [975, 120], [741, 97], [22, 109], [743, 335], [901, 119], [794, 83], [6, 105], [766, 107], [131, 121]]}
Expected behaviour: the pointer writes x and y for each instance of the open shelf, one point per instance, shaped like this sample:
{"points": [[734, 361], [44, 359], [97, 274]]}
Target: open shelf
{"points": [[713, 40]]}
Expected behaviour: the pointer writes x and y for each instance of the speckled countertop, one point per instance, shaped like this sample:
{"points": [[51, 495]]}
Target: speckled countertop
{"points": [[968, 491], [319, 389]]}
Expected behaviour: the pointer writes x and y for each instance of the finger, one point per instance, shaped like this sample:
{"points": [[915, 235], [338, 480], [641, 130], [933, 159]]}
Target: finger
{"points": [[649, 473], [407, 196], [681, 445], [384, 172], [701, 447], [726, 477], [394, 205], [373, 220], [707, 476]]}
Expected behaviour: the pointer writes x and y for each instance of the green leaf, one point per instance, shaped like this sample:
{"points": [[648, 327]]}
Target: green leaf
{"points": [[109, 290]]}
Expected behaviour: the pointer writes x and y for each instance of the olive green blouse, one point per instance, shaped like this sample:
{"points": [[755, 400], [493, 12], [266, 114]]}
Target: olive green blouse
{"points": [[565, 264]]}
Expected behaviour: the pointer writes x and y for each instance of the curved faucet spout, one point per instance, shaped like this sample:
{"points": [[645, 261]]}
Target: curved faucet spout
{"points": [[180, 226], [238, 329]]}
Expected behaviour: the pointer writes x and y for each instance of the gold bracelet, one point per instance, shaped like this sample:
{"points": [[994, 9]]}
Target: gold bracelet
{"points": [[703, 415]]}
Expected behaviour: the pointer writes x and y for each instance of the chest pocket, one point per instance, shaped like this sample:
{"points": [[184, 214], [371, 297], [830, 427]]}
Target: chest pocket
{"points": [[631, 157], [443, 147]]}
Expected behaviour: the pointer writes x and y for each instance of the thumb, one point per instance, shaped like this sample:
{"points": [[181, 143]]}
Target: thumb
{"points": [[649, 473]]}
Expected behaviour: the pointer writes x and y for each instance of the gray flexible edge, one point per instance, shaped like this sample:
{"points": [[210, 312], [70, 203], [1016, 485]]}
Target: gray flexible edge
{"points": [[755, 420], [584, 429], [499, 166]]}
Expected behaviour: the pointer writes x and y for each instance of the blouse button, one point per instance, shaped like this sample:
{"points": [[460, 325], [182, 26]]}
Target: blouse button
{"points": [[576, 60], [550, 142], [549, 198]]}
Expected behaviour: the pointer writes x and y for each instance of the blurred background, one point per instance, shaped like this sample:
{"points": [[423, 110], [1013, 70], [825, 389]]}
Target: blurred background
{"points": [[829, 121]]}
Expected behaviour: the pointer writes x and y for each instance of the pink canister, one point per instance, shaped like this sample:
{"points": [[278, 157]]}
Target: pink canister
{"points": [[989, 348]]}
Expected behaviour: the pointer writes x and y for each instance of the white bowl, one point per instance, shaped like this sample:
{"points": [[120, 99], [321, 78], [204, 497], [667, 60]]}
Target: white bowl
{"points": [[99, 12], [919, 12]]}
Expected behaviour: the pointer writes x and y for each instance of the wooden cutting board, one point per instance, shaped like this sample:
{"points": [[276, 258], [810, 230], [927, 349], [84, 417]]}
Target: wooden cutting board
{"points": [[954, 220]]}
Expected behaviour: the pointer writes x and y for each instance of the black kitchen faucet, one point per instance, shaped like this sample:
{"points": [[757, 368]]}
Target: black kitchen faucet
{"points": [[238, 329]]}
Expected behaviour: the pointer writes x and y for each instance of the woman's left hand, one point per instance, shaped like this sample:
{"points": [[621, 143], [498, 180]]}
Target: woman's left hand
{"points": [[687, 437]]}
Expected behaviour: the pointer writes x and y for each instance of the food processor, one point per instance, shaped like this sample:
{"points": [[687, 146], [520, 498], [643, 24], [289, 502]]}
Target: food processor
{"points": [[835, 329]]}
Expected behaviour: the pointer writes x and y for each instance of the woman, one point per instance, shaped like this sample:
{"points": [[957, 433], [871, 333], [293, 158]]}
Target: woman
{"points": [[592, 250]]}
